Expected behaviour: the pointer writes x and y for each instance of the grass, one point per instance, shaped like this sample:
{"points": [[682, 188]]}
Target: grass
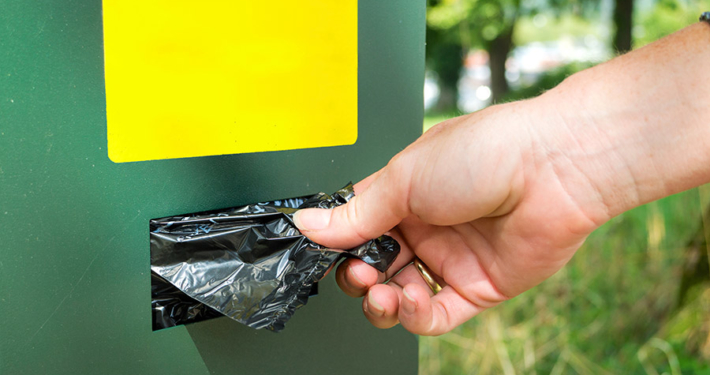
{"points": [[611, 310]]}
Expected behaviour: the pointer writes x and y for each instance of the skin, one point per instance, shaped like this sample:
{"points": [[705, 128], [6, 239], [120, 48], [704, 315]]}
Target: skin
{"points": [[497, 201]]}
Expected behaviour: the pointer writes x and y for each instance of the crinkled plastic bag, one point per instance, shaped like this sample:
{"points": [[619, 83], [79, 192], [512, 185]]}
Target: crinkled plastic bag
{"points": [[249, 263]]}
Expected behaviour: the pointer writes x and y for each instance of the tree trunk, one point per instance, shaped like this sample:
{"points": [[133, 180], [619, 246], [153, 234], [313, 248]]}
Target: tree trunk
{"points": [[498, 50], [623, 21], [447, 61], [448, 95]]}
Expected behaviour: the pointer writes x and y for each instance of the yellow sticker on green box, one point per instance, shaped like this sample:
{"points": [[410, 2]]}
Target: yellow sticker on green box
{"points": [[198, 78]]}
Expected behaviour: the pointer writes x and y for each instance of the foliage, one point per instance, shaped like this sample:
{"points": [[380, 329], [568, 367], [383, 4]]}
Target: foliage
{"points": [[474, 23], [668, 16], [553, 28], [445, 57], [456, 26], [610, 310], [614, 308]]}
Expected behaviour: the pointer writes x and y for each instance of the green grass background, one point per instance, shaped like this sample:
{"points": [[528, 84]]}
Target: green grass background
{"points": [[612, 310]]}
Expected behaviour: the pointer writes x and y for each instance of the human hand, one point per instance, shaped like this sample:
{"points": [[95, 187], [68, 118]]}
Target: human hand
{"points": [[497, 201], [476, 200]]}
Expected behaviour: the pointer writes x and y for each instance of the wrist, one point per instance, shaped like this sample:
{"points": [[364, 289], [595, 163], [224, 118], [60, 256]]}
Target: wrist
{"points": [[636, 127], [570, 143]]}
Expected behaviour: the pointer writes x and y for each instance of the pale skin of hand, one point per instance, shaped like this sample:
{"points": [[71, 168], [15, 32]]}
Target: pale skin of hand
{"points": [[497, 201]]}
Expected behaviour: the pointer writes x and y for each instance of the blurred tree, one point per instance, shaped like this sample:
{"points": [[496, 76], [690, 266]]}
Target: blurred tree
{"points": [[486, 24], [623, 23], [445, 56], [666, 17]]}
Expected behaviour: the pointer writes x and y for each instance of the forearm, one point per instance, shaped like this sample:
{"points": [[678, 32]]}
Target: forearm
{"points": [[636, 128]]}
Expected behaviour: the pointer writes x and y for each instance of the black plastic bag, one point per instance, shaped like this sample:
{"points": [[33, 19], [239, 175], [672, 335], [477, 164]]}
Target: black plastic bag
{"points": [[249, 263]]}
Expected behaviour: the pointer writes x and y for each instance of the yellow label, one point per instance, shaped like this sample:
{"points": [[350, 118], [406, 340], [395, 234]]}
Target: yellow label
{"points": [[197, 78]]}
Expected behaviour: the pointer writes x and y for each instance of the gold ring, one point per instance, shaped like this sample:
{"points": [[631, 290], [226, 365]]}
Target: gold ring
{"points": [[426, 275]]}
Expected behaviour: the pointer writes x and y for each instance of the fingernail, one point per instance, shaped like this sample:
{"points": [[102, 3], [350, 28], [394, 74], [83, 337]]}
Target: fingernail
{"points": [[312, 219], [360, 283], [409, 305], [375, 308]]}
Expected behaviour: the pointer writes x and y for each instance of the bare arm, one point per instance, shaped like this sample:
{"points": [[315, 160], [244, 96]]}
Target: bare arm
{"points": [[641, 122], [497, 201]]}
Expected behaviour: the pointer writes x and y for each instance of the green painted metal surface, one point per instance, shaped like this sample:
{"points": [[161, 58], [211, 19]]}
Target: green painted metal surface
{"points": [[74, 251]]}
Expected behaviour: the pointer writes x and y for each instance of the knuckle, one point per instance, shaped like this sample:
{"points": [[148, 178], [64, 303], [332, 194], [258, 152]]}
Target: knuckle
{"points": [[353, 217]]}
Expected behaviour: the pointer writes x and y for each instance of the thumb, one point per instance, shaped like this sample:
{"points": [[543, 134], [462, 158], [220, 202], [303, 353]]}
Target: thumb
{"points": [[378, 209]]}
